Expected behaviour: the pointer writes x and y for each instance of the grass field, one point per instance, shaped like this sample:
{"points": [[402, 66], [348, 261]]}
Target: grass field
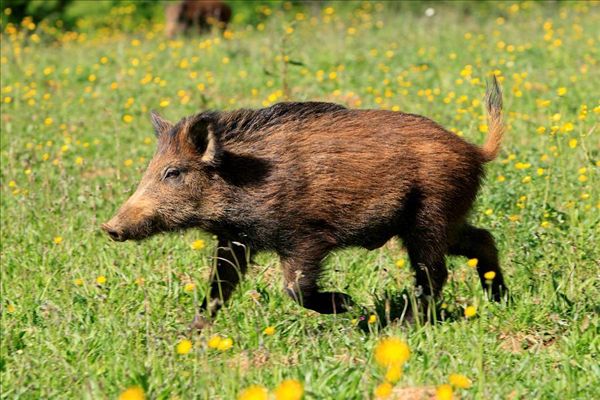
{"points": [[83, 317]]}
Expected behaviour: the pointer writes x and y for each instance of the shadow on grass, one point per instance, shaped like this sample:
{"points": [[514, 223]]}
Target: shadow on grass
{"points": [[402, 308]]}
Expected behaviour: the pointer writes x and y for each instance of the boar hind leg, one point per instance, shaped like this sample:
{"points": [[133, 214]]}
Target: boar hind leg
{"points": [[426, 247], [478, 243], [231, 265], [301, 285]]}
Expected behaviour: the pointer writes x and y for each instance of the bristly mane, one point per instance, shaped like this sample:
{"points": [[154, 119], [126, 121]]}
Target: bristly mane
{"points": [[231, 124]]}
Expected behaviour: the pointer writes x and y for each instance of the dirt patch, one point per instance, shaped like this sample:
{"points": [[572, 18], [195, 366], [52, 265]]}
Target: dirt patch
{"points": [[518, 342], [99, 172], [413, 393]]}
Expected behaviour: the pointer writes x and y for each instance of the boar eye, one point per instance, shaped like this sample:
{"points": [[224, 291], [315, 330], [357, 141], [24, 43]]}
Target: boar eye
{"points": [[172, 173]]}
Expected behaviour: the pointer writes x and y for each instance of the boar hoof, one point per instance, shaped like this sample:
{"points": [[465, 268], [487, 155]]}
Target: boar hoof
{"points": [[199, 323], [326, 302]]}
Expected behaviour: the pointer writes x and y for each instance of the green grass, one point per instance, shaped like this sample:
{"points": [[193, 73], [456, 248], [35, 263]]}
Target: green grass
{"points": [[65, 336]]}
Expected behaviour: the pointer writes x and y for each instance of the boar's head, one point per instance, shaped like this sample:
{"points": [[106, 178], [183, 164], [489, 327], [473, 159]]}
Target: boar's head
{"points": [[174, 192]]}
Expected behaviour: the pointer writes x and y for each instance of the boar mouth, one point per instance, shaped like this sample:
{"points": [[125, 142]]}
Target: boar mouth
{"points": [[138, 232]]}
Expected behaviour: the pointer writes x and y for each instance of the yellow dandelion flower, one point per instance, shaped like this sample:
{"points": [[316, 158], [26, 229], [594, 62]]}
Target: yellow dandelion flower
{"points": [[164, 103], [470, 311], [501, 178], [269, 330], [545, 224], [101, 280], [214, 341], [127, 118], [542, 103], [393, 373], [78, 281], [184, 346], [328, 11], [459, 381], [443, 392], [225, 344], [132, 393], [391, 351], [128, 162], [197, 244], [289, 389], [383, 390], [567, 127], [79, 160], [225, 60], [11, 308], [582, 178], [489, 211], [372, 319], [490, 275], [400, 263], [561, 91], [48, 121], [58, 239], [12, 184], [472, 262], [573, 143], [254, 392], [189, 287]]}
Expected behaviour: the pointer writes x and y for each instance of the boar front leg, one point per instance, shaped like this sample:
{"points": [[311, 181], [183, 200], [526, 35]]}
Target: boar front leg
{"points": [[301, 275], [231, 265]]}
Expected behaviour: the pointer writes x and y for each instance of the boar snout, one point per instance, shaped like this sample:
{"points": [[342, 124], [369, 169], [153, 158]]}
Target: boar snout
{"points": [[131, 224], [115, 233]]}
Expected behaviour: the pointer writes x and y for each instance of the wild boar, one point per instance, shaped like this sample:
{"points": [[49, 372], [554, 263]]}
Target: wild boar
{"points": [[304, 179], [199, 15]]}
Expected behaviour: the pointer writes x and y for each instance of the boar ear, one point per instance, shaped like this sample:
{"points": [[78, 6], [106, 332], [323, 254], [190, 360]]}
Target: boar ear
{"points": [[160, 125], [201, 133]]}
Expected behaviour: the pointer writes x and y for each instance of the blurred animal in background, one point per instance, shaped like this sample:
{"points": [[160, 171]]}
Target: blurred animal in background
{"points": [[196, 16]]}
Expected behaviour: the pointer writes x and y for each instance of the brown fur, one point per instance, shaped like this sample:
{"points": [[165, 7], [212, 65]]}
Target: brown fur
{"points": [[199, 15], [303, 179]]}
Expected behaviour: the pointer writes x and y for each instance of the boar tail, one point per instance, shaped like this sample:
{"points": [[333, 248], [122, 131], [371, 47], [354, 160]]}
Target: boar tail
{"points": [[493, 104]]}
